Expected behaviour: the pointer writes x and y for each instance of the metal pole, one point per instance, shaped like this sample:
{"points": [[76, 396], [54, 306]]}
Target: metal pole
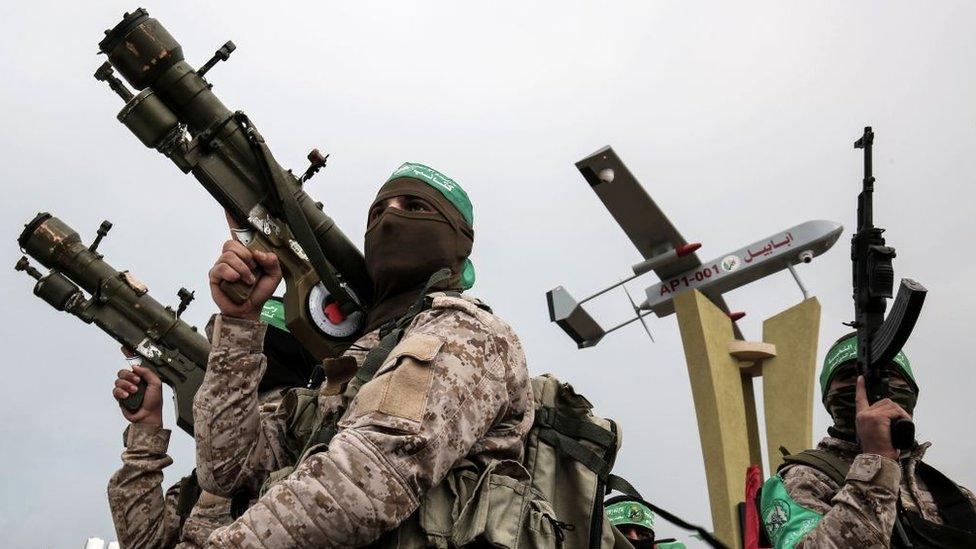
{"points": [[799, 282]]}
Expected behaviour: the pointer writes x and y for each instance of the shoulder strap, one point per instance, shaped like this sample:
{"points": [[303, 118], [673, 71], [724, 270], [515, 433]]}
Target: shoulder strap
{"points": [[390, 335], [956, 509], [825, 462], [561, 432], [189, 494]]}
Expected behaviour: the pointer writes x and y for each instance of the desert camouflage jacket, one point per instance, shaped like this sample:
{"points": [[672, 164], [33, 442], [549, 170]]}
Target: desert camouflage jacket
{"points": [[802, 507], [145, 517], [455, 386]]}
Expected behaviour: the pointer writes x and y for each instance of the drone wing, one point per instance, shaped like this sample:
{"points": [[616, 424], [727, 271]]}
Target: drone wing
{"points": [[637, 214], [641, 219]]}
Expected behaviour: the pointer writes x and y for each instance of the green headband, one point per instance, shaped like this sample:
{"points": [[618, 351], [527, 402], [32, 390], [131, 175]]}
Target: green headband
{"points": [[452, 192], [630, 512], [447, 186], [845, 351]]}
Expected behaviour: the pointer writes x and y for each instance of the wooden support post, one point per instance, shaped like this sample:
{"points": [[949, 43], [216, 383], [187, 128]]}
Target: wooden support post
{"points": [[789, 379], [728, 432]]}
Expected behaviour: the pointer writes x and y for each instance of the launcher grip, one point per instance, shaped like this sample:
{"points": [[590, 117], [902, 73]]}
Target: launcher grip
{"points": [[133, 402], [238, 291], [902, 434]]}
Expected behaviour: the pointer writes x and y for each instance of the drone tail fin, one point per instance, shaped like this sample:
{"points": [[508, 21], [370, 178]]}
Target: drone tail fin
{"points": [[565, 311]]}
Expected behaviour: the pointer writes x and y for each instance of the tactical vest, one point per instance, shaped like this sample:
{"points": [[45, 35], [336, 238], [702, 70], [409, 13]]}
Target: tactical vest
{"points": [[911, 530], [552, 498]]}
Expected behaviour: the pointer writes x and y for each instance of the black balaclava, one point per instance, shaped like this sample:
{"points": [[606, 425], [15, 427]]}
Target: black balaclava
{"points": [[841, 406], [403, 249]]}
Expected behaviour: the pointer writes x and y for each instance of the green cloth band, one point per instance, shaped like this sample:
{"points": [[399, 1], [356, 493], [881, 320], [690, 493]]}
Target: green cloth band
{"points": [[273, 313], [785, 520], [630, 512], [669, 545], [447, 186], [844, 352], [453, 193]]}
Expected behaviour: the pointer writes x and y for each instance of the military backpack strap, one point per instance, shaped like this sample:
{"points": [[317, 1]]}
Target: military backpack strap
{"points": [[561, 431], [189, 494], [390, 336], [619, 484], [825, 462]]}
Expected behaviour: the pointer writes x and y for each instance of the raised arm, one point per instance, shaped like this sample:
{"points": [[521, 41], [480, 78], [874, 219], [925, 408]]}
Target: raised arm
{"points": [[236, 445], [144, 517]]}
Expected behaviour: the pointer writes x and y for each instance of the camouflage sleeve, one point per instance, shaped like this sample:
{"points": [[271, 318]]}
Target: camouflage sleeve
{"points": [[144, 517], [804, 508], [436, 395], [236, 444]]}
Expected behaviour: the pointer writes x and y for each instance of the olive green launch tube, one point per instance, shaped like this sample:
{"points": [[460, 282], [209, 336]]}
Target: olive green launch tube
{"points": [[176, 112], [120, 305]]}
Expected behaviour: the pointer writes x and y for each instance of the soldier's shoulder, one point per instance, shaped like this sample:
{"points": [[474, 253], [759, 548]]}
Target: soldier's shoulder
{"points": [[803, 477], [467, 310]]}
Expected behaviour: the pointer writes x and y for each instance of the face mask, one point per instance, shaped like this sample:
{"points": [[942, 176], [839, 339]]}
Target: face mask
{"points": [[643, 544], [904, 397], [840, 405], [404, 248]]}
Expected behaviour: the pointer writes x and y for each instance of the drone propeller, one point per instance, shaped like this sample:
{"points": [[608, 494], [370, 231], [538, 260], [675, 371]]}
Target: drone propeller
{"points": [[637, 311]]}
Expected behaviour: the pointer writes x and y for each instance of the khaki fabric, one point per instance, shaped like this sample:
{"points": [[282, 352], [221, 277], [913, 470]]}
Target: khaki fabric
{"points": [[467, 398], [861, 512], [575, 492], [144, 516]]}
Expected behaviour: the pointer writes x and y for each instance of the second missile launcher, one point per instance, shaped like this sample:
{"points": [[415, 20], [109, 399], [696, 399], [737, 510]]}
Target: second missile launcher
{"points": [[120, 305]]}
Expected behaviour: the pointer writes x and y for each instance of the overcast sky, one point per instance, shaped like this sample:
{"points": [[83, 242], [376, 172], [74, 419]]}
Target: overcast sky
{"points": [[737, 117]]}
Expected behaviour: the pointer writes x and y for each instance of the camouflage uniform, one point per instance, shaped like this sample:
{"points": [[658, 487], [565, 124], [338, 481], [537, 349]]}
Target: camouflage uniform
{"points": [[455, 386], [862, 512], [144, 516]]}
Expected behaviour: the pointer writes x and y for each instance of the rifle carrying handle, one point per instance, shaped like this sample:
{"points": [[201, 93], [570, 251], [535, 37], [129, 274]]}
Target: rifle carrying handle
{"points": [[902, 434], [133, 402]]}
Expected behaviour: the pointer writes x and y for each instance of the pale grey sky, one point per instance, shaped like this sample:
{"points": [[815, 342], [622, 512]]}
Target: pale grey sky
{"points": [[738, 118]]}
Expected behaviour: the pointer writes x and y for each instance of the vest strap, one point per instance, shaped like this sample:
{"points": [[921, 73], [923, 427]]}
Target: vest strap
{"points": [[825, 462], [189, 494]]}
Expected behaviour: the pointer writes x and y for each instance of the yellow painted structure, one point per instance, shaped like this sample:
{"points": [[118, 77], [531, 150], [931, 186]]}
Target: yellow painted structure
{"points": [[720, 396], [789, 379], [721, 370]]}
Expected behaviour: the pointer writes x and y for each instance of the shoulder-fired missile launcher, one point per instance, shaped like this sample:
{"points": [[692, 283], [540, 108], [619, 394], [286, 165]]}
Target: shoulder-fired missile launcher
{"points": [[176, 112], [118, 304]]}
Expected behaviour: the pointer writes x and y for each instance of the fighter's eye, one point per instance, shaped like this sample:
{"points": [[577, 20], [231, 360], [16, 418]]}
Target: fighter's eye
{"points": [[418, 205], [376, 211]]}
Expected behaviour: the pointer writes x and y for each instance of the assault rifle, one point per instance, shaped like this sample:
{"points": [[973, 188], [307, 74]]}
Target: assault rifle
{"points": [[878, 338], [177, 113], [120, 305]]}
